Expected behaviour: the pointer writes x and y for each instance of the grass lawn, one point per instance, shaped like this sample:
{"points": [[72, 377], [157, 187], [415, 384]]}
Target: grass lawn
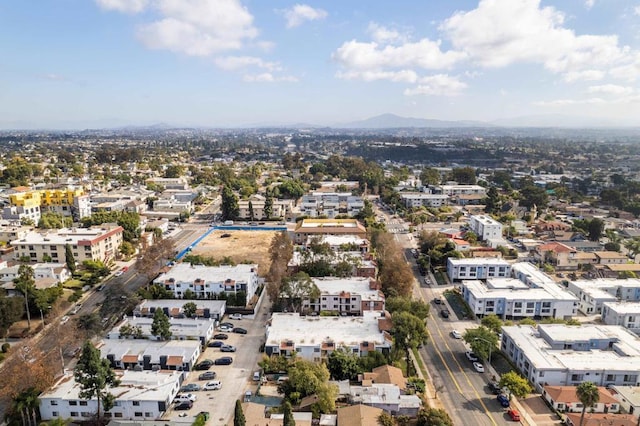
{"points": [[73, 283]]}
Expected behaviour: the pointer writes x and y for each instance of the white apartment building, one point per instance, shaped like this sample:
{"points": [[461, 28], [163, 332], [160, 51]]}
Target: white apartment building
{"points": [[510, 298], [562, 355], [198, 329], [18, 213], [179, 355], [279, 208], [141, 395], [455, 190], [485, 227], [170, 183], [95, 243], [330, 204], [479, 268], [420, 199], [207, 281], [315, 337], [594, 293], [625, 314], [346, 296], [175, 308]]}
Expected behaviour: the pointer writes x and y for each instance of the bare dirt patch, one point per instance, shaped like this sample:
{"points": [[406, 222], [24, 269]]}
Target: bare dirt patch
{"points": [[240, 246]]}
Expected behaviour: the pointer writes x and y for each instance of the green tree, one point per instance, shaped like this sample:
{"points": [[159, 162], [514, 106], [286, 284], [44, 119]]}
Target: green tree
{"points": [[464, 175], [95, 376], [161, 327], [127, 249], [492, 202], [492, 322], [482, 341], [11, 310], [434, 417], [189, 309], [308, 378], [408, 333], [238, 415], [229, 205], [288, 414], [386, 419], [517, 385], [268, 207], [588, 395], [130, 222], [430, 176], [51, 220], [69, 258], [595, 229], [297, 288], [343, 364], [25, 284], [416, 307]]}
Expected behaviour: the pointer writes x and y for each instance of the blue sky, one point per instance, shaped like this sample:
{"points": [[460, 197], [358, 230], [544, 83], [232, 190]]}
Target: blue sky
{"points": [[98, 63]]}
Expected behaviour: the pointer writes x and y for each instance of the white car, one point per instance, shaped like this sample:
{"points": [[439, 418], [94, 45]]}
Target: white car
{"points": [[478, 367], [118, 273], [185, 397], [471, 356], [235, 316], [456, 334], [213, 385], [64, 319]]}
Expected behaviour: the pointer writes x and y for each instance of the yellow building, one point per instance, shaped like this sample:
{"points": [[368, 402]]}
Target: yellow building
{"points": [[67, 202]]}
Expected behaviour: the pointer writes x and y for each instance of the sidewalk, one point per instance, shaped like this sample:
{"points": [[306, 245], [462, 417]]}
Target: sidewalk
{"points": [[430, 394], [525, 418]]}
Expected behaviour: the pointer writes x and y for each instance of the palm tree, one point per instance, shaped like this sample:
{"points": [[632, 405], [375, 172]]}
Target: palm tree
{"points": [[588, 395], [25, 284]]}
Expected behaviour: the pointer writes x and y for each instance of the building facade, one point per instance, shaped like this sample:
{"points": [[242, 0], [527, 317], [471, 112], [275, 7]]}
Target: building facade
{"points": [[479, 268], [485, 227]]}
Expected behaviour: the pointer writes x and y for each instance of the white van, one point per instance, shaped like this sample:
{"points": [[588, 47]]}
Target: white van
{"points": [[256, 376], [228, 222]]}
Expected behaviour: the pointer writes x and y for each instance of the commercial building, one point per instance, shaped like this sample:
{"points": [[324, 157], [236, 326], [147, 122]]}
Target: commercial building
{"points": [[562, 355], [208, 281], [141, 395], [477, 268], [315, 337], [95, 243], [485, 227], [346, 296], [128, 354], [625, 314], [317, 227]]}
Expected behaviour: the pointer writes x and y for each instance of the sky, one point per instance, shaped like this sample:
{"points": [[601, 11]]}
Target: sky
{"points": [[228, 63]]}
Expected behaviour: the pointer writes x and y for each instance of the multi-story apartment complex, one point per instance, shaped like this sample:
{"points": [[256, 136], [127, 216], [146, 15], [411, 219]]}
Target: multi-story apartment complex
{"points": [[169, 183], [625, 314], [456, 190], [479, 268], [256, 203], [315, 337], [594, 293], [198, 329], [485, 227], [95, 243], [558, 354], [208, 281], [141, 354], [141, 395], [346, 296], [420, 199], [66, 202], [330, 204]]}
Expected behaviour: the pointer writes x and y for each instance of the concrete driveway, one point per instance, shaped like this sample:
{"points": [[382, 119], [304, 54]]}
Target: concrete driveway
{"points": [[539, 411]]}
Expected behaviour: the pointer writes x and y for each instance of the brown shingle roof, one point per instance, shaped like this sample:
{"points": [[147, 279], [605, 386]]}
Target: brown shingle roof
{"points": [[358, 415]]}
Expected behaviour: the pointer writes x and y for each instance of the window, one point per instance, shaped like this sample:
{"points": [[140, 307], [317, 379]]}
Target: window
{"points": [[54, 414], [517, 305], [316, 349], [86, 414], [148, 414], [73, 402], [631, 378], [138, 414], [83, 403], [577, 377], [117, 414], [611, 377], [53, 402], [136, 403], [73, 414]]}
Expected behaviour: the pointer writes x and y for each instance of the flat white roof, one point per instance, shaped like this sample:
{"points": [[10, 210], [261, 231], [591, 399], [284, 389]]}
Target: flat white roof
{"points": [[215, 306], [623, 307], [337, 240], [505, 283], [195, 327], [354, 285], [121, 347], [184, 272], [630, 393], [484, 261], [63, 236], [542, 356], [607, 283], [532, 272], [510, 290], [485, 220], [313, 330], [134, 385], [423, 196]]}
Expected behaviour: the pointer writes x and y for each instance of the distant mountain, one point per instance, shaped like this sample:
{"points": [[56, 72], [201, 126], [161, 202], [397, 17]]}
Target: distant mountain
{"points": [[386, 121]]}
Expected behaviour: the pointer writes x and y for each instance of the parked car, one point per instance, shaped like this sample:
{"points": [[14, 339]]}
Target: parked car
{"points": [[227, 348], [213, 385], [184, 405], [204, 365], [240, 330], [182, 397], [235, 317], [64, 319], [256, 376], [208, 375], [215, 344], [456, 334], [503, 400], [478, 367], [191, 387], [495, 388], [100, 287], [118, 273], [227, 324], [514, 415], [445, 313], [471, 356], [221, 336], [437, 301], [76, 309], [225, 360], [225, 328]]}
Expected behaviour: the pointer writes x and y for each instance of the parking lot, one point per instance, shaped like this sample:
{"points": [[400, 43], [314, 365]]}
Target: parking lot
{"points": [[235, 378]]}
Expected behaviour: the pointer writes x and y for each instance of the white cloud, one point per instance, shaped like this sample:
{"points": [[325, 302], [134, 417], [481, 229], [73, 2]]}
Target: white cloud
{"points": [[403, 76], [589, 3], [611, 89], [384, 35], [422, 54], [231, 63], [636, 10], [493, 37], [439, 84], [563, 102], [629, 71], [199, 27], [125, 6], [268, 78], [586, 75], [300, 13]]}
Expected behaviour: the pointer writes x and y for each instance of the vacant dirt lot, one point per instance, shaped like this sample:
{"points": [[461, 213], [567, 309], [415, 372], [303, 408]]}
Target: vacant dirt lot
{"points": [[239, 246]]}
